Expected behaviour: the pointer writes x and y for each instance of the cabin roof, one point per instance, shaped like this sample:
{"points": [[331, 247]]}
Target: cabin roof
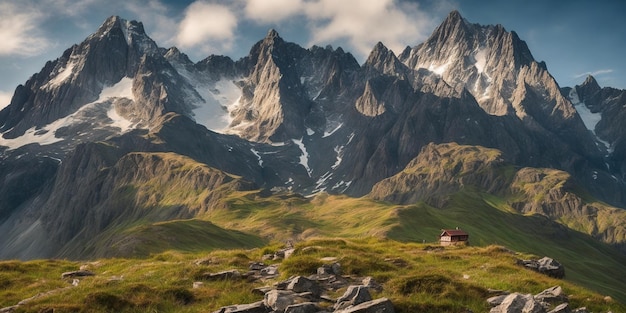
{"points": [[453, 232]]}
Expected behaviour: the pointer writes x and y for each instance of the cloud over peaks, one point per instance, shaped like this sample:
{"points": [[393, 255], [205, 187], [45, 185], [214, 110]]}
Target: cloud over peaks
{"points": [[273, 11], [362, 23], [594, 73], [19, 30], [207, 24]]}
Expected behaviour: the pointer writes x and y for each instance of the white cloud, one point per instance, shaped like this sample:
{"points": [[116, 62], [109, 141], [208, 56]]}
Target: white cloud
{"points": [[363, 23], [208, 26], [359, 24], [71, 8], [273, 11], [5, 98], [594, 73], [19, 30]]}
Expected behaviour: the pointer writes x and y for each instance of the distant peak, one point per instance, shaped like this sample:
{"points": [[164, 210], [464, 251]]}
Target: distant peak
{"points": [[590, 81], [380, 47], [271, 38], [379, 52], [454, 18], [454, 15], [117, 22], [271, 34], [383, 60], [110, 23]]}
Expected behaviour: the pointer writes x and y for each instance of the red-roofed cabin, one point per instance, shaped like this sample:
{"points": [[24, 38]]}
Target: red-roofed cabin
{"points": [[450, 237]]}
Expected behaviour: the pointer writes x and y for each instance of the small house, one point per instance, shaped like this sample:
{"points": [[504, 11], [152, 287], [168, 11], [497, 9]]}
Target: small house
{"points": [[451, 237]]}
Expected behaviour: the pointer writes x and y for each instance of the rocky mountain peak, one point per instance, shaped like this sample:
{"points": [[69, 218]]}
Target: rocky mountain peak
{"points": [[384, 61], [590, 93], [271, 40], [132, 31], [454, 17], [591, 84], [272, 34], [453, 27]]}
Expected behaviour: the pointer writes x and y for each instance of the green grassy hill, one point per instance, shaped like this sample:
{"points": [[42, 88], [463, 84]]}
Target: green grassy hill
{"points": [[414, 277]]}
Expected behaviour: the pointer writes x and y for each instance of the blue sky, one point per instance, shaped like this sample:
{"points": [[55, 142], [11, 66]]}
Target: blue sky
{"points": [[575, 38]]}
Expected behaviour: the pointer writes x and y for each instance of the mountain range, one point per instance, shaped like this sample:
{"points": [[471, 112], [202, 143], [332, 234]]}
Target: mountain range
{"points": [[119, 132]]}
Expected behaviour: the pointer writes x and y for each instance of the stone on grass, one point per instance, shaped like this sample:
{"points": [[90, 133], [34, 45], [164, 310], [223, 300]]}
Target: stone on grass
{"points": [[516, 302], [355, 294], [382, 305], [73, 274]]}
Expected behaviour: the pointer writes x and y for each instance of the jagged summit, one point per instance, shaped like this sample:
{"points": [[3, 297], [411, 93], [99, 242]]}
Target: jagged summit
{"points": [[591, 82], [271, 34], [133, 32], [384, 61]]}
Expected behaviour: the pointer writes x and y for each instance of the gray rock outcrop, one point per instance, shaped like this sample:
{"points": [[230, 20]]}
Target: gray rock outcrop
{"points": [[545, 265]]}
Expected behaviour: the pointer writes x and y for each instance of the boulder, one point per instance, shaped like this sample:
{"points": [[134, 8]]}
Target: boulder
{"points": [[256, 307], [257, 266], [516, 302], [551, 267], [73, 274], [370, 283], [496, 300], [224, 275], [279, 300], [382, 305], [329, 269], [552, 295], [545, 265], [271, 270], [561, 308], [305, 307], [355, 294], [302, 284]]}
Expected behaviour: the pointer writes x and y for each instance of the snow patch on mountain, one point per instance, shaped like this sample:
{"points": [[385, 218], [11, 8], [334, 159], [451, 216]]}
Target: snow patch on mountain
{"points": [[220, 99], [304, 157], [333, 130], [63, 73], [589, 118], [339, 151], [122, 89], [217, 99], [46, 135], [258, 155]]}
